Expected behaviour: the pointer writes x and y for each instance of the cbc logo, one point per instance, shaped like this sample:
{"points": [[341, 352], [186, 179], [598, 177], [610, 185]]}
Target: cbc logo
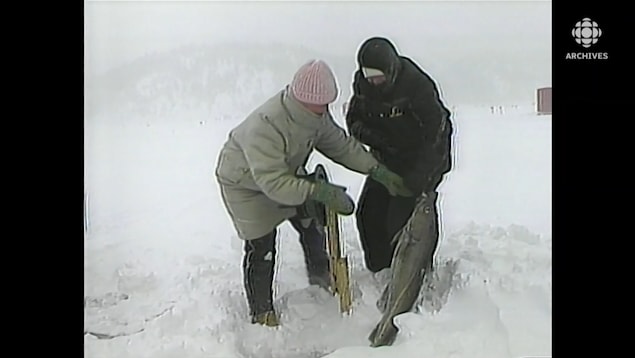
{"points": [[586, 32]]}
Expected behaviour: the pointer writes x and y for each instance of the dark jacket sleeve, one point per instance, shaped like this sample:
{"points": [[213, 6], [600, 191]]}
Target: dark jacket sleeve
{"points": [[357, 121], [434, 126]]}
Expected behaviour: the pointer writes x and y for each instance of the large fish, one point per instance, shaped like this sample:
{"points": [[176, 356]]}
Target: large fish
{"points": [[416, 243]]}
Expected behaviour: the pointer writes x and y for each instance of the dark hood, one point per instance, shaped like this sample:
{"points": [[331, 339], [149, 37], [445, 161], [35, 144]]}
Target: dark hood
{"points": [[380, 53]]}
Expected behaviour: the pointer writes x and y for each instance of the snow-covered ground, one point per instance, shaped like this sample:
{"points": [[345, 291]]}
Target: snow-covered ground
{"points": [[162, 262]]}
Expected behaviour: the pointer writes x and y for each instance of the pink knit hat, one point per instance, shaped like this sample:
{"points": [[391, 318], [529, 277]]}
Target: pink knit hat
{"points": [[314, 83]]}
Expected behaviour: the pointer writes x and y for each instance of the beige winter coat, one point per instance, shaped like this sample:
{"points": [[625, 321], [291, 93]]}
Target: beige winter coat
{"points": [[257, 166]]}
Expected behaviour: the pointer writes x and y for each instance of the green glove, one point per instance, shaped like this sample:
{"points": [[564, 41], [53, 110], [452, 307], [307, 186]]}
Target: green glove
{"points": [[393, 182], [333, 196]]}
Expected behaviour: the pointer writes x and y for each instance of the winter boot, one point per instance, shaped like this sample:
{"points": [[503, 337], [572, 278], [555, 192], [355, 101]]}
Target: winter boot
{"points": [[316, 259], [258, 269], [322, 280], [269, 318]]}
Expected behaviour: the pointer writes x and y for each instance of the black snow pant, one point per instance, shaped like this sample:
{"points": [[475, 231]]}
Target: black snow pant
{"points": [[259, 262], [379, 217]]}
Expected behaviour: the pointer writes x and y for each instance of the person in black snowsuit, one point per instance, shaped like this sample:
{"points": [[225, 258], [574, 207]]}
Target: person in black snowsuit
{"points": [[397, 111]]}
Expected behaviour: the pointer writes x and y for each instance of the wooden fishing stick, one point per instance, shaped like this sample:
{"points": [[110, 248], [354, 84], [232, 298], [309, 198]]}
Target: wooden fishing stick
{"points": [[338, 264]]}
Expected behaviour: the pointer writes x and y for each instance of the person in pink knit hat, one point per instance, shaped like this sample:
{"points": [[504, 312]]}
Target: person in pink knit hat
{"points": [[263, 181]]}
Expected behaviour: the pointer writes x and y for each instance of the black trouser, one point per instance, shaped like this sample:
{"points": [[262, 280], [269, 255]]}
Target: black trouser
{"points": [[379, 217], [260, 258], [313, 241]]}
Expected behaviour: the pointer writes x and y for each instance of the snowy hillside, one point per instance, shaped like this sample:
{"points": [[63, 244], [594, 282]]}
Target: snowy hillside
{"points": [[208, 79], [192, 78]]}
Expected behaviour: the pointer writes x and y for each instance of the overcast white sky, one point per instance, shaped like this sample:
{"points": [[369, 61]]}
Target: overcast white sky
{"points": [[117, 31]]}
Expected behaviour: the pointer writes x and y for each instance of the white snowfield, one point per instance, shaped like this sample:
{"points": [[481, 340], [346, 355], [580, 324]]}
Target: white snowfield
{"points": [[162, 261]]}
